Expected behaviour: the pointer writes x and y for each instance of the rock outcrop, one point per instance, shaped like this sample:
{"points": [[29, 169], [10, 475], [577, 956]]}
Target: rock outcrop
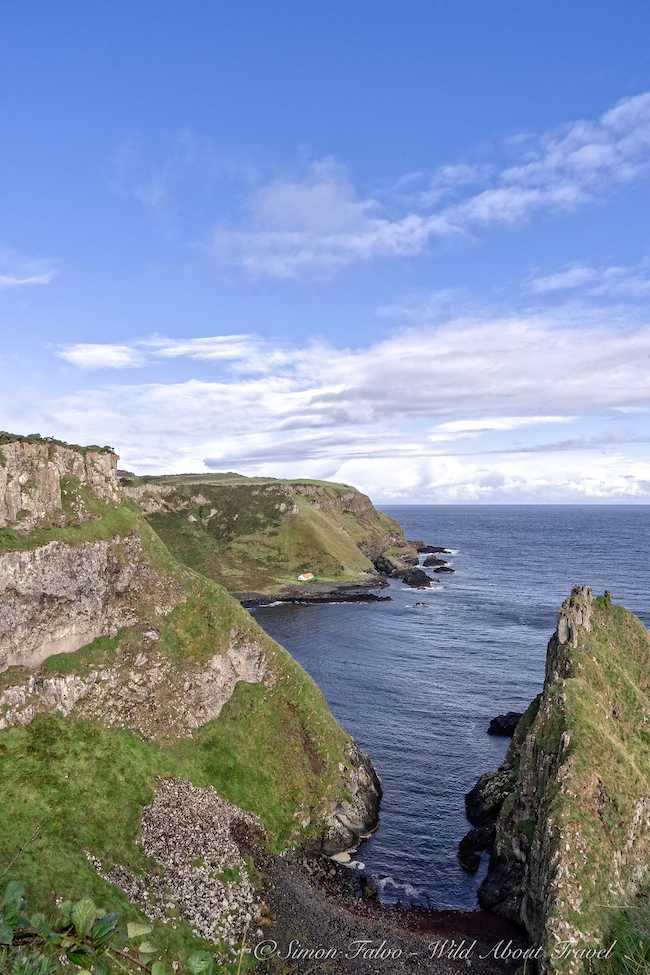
{"points": [[572, 799], [59, 597], [34, 474], [504, 724]]}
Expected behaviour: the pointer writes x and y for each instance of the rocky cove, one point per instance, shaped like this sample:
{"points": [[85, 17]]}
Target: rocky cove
{"points": [[119, 646]]}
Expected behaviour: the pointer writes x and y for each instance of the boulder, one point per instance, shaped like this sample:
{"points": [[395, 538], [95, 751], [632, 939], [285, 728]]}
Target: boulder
{"points": [[484, 801], [422, 548], [433, 560], [416, 577], [444, 568], [504, 724]]}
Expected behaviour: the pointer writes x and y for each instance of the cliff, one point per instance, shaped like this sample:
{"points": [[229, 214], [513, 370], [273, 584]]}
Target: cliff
{"points": [[260, 534], [120, 670], [571, 803]]}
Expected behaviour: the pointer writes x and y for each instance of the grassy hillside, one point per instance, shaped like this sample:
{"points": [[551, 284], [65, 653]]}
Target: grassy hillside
{"points": [[71, 785], [259, 534], [603, 804]]}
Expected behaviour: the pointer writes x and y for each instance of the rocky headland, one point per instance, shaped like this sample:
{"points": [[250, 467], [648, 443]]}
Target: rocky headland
{"points": [[567, 816]]}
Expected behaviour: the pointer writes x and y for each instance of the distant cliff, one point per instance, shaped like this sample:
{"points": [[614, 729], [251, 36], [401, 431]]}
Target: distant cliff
{"points": [[260, 534], [572, 799]]}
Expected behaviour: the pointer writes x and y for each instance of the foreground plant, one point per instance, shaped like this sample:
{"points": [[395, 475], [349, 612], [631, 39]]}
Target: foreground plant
{"points": [[81, 938]]}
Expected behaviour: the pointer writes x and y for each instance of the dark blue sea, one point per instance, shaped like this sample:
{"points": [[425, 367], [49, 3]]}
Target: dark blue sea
{"points": [[417, 685]]}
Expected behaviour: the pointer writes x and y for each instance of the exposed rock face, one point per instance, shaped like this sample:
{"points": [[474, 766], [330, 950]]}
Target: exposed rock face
{"points": [[32, 474], [144, 691], [59, 597], [572, 838], [472, 845], [356, 816], [483, 803]]}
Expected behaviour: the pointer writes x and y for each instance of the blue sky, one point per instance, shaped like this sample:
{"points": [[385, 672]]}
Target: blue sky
{"points": [[406, 247]]}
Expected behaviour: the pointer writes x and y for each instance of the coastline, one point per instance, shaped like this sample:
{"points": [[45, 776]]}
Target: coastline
{"points": [[317, 592]]}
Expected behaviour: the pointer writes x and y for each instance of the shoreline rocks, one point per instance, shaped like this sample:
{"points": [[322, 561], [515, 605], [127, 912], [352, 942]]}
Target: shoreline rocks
{"points": [[417, 578], [504, 725], [316, 593]]}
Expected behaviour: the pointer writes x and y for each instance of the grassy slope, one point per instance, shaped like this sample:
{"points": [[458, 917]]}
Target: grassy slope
{"points": [[608, 764], [244, 540], [273, 750]]}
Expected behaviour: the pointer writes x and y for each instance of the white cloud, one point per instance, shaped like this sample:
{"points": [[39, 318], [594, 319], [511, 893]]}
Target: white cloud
{"points": [[619, 281], [20, 281], [500, 423], [88, 355], [320, 221], [459, 410], [570, 277]]}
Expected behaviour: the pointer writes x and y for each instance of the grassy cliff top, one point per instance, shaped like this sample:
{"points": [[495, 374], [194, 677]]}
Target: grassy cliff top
{"points": [[595, 714], [36, 438], [226, 477], [260, 534]]}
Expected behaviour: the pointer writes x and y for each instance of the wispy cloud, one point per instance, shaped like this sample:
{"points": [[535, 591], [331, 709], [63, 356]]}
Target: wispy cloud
{"points": [[21, 281], [619, 281], [90, 355], [320, 221], [17, 271]]}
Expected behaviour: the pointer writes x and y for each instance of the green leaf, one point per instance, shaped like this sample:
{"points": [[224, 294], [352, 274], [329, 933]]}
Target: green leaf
{"points": [[41, 926], [158, 968], [136, 930], [146, 948], [101, 967], [83, 916], [6, 932], [65, 912], [14, 895], [79, 955], [200, 963], [103, 929]]}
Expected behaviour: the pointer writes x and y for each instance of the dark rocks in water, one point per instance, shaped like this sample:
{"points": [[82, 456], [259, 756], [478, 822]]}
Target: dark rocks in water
{"points": [[306, 595], [422, 548], [433, 560], [484, 801], [444, 568], [504, 724], [473, 844], [416, 577]]}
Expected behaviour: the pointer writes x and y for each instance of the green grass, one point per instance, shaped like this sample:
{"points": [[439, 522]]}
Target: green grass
{"points": [[36, 438], [602, 708], [118, 520], [253, 534], [630, 930]]}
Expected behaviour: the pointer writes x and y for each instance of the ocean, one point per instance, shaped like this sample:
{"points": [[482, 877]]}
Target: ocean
{"points": [[416, 685]]}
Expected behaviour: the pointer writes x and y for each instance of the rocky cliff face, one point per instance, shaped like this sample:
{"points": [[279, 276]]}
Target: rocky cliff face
{"points": [[571, 804], [58, 597], [33, 476], [99, 622]]}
